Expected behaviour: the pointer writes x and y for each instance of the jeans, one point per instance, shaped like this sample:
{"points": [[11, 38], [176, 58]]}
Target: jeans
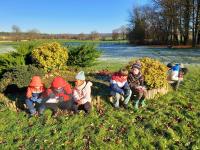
{"points": [[30, 104], [118, 96]]}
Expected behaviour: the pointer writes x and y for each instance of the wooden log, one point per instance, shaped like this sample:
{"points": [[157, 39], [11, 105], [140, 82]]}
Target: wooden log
{"points": [[98, 102], [154, 92]]}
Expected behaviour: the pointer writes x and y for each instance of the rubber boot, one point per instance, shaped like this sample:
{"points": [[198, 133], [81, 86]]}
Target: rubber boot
{"points": [[136, 104], [143, 103]]}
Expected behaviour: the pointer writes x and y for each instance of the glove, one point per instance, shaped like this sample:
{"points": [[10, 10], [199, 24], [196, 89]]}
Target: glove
{"points": [[61, 99], [51, 96], [122, 93], [127, 92], [34, 99], [39, 100]]}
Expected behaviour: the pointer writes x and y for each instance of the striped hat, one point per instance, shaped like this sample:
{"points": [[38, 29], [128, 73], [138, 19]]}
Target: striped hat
{"points": [[136, 65]]}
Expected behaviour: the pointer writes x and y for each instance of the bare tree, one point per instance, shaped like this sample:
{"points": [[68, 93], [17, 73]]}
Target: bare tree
{"points": [[81, 36], [195, 21], [16, 29], [94, 35], [33, 34], [115, 34], [16, 32]]}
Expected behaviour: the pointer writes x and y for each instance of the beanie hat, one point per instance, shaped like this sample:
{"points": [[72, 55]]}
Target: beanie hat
{"points": [[136, 65], [170, 65], [80, 76]]}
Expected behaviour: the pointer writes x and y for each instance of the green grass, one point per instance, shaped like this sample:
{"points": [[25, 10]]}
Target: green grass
{"points": [[169, 122]]}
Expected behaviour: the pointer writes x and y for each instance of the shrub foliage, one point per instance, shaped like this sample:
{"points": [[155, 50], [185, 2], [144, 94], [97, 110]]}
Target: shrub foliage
{"points": [[83, 56], [21, 56], [19, 76], [50, 56], [155, 73]]}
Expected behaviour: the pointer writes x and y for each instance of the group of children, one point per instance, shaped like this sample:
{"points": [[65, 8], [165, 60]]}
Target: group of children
{"points": [[59, 96], [124, 86]]}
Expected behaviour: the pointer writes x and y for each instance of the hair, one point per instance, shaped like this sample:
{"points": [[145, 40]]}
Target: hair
{"points": [[124, 72], [169, 65], [184, 70]]}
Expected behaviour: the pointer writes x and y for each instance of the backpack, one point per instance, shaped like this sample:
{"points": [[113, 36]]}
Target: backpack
{"points": [[175, 72]]}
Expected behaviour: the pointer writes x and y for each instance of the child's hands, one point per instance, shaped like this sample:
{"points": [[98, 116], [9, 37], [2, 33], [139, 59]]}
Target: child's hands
{"points": [[39, 100], [78, 102], [140, 88], [122, 93]]}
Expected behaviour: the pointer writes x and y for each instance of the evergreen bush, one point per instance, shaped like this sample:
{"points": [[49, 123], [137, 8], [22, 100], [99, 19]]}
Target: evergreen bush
{"points": [[83, 55], [19, 76]]}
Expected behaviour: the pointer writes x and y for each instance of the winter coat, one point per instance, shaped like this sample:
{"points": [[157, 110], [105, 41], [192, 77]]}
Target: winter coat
{"points": [[66, 92], [118, 83], [82, 93], [35, 82], [135, 81]]}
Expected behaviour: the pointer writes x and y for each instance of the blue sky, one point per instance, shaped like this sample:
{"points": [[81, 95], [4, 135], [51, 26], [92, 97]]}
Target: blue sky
{"points": [[66, 16]]}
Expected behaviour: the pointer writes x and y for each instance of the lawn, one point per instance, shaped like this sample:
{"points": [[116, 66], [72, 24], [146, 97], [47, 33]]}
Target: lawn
{"points": [[168, 122]]}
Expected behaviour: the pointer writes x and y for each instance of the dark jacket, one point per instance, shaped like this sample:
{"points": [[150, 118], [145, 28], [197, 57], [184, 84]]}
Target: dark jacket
{"points": [[135, 80]]}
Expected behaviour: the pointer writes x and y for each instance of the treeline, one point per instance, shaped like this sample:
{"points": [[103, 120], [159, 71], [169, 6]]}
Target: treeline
{"points": [[171, 22], [12, 36], [17, 35]]}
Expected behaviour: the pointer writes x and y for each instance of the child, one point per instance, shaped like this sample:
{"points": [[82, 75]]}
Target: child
{"points": [[34, 92], [120, 88], [59, 95], [136, 83], [82, 93], [175, 74]]}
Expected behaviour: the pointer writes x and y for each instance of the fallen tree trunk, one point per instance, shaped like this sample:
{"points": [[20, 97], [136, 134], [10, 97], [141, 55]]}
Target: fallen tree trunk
{"points": [[157, 92]]}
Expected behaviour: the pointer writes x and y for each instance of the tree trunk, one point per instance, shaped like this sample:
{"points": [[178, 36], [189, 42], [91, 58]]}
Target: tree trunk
{"points": [[186, 21], [197, 22], [193, 23]]}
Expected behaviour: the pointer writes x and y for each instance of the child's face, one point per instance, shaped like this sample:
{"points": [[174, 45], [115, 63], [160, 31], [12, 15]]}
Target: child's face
{"points": [[37, 87], [79, 82], [58, 90], [136, 71]]}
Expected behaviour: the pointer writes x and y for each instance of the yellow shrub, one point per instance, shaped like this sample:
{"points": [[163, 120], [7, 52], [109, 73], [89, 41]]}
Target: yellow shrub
{"points": [[154, 72], [50, 56]]}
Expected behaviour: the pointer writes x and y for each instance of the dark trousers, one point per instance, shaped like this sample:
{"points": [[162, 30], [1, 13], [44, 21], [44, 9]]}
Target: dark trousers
{"points": [[176, 84], [68, 105], [86, 107], [139, 94]]}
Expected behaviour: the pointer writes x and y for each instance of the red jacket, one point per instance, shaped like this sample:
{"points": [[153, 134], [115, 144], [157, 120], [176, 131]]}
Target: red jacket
{"points": [[35, 82], [59, 82]]}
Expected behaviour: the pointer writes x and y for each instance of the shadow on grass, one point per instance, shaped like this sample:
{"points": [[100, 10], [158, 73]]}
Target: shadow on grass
{"points": [[17, 95], [102, 90]]}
